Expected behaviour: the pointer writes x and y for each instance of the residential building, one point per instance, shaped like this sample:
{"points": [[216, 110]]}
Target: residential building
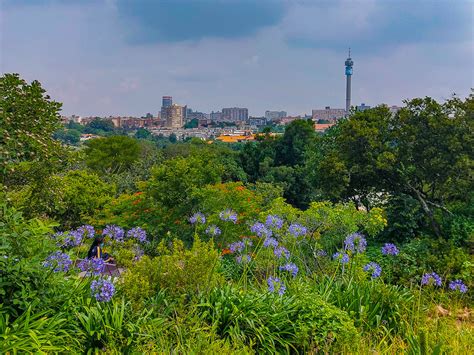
{"points": [[362, 107], [273, 115], [328, 114], [173, 115], [216, 116], [234, 114]]}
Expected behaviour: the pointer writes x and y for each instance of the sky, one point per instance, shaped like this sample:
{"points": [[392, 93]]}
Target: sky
{"points": [[119, 57]]}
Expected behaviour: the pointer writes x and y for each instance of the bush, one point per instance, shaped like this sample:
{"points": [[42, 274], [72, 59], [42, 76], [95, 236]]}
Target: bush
{"points": [[299, 323]]}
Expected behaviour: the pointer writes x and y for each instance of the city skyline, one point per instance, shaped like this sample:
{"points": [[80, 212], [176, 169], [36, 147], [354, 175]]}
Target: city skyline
{"points": [[120, 57]]}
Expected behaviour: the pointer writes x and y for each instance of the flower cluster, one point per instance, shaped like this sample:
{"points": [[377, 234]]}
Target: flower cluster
{"points": [[73, 238], [458, 285], [291, 268], [342, 257], [431, 278], [138, 252], [275, 284], [274, 222], [261, 230], [137, 233], [390, 249], [198, 217], [374, 268], [297, 230], [237, 247], [320, 253], [96, 266], [281, 252], [58, 261], [245, 259], [102, 290], [228, 216], [87, 231], [213, 231], [270, 242], [114, 232], [356, 243]]}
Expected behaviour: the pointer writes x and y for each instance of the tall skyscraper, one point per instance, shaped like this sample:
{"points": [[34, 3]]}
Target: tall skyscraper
{"points": [[173, 116], [167, 101], [349, 63]]}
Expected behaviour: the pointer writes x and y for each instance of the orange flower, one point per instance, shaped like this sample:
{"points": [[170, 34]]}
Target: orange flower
{"points": [[138, 193], [136, 202], [226, 251]]}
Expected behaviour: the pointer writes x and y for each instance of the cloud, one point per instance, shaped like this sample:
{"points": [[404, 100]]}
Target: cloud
{"points": [[149, 21], [375, 25]]}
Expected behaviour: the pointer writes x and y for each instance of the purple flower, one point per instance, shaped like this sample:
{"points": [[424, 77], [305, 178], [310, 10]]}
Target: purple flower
{"points": [[342, 257], [243, 259], [138, 252], [390, 249], [291, 268], [237, 247], [58, 261], [297, 230], [228, 216], [274, 222], [137, 233], [102, 290], [458, 285], [198, 217], [213, 231], [260, 230], [73, 238], [355, 242], [321, 253], [431, 278], [281, 252], [374, 268], [96, 266], [87, 231], [114, 232], [270, 242], [274, 283]]}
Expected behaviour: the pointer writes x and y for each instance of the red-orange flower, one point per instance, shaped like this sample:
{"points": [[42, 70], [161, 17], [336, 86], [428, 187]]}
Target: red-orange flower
{"points": [[226, 251]]}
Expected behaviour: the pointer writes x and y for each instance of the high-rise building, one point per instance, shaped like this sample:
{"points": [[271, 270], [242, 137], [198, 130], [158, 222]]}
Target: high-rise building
{"points": [[234, 114], [349, 63], [215, 116], [273, 115], [362, 107], [167, 101], [173, 115], [328, 114]]}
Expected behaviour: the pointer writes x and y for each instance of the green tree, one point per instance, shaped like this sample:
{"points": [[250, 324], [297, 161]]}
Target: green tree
{"points": [[194, 123], [142, 133], [112, 155], [98, 125], [68, 136], [28, 119], [299, 138]]}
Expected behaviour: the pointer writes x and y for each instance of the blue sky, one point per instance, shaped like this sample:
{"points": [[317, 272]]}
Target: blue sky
{"points": [[118, 57]]}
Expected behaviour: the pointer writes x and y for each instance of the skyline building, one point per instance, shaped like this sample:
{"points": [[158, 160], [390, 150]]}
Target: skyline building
{"points": [[173, 115], [349, 63], [273, 115], [234, 114]]}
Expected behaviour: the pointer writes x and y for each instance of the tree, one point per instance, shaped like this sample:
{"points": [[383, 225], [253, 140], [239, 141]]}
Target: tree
{"points": [[194, 123], [142, 133], [299, 137], [99, 124], [28, 119], [68, 136], [112, 155], [172, 138]]}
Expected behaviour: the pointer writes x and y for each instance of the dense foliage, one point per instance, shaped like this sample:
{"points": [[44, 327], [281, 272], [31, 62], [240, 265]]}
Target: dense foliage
{"points": [[355, 241]]}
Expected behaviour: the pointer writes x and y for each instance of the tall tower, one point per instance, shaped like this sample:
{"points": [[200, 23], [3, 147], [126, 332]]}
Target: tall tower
{"points": [[349, 63]]}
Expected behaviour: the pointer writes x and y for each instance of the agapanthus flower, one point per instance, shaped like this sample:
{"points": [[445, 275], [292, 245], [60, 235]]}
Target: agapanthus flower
{"points": [[390, 249], [431, 278], [297, 230], [342, 257], [102, 290], [374, 268], [273, 221], [237, 247], [87, 231], [96, 266], [58, 235], [58, 261], [228, 216], [213, 230], [73, 238], [270, 242], [320, 253], [458, 285], [355, 242], [291, 268], [138, 252], [114, 232], [261, 230], [281, 252], [275, 284], [137, 233], [245, 259], [198, 217]]}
